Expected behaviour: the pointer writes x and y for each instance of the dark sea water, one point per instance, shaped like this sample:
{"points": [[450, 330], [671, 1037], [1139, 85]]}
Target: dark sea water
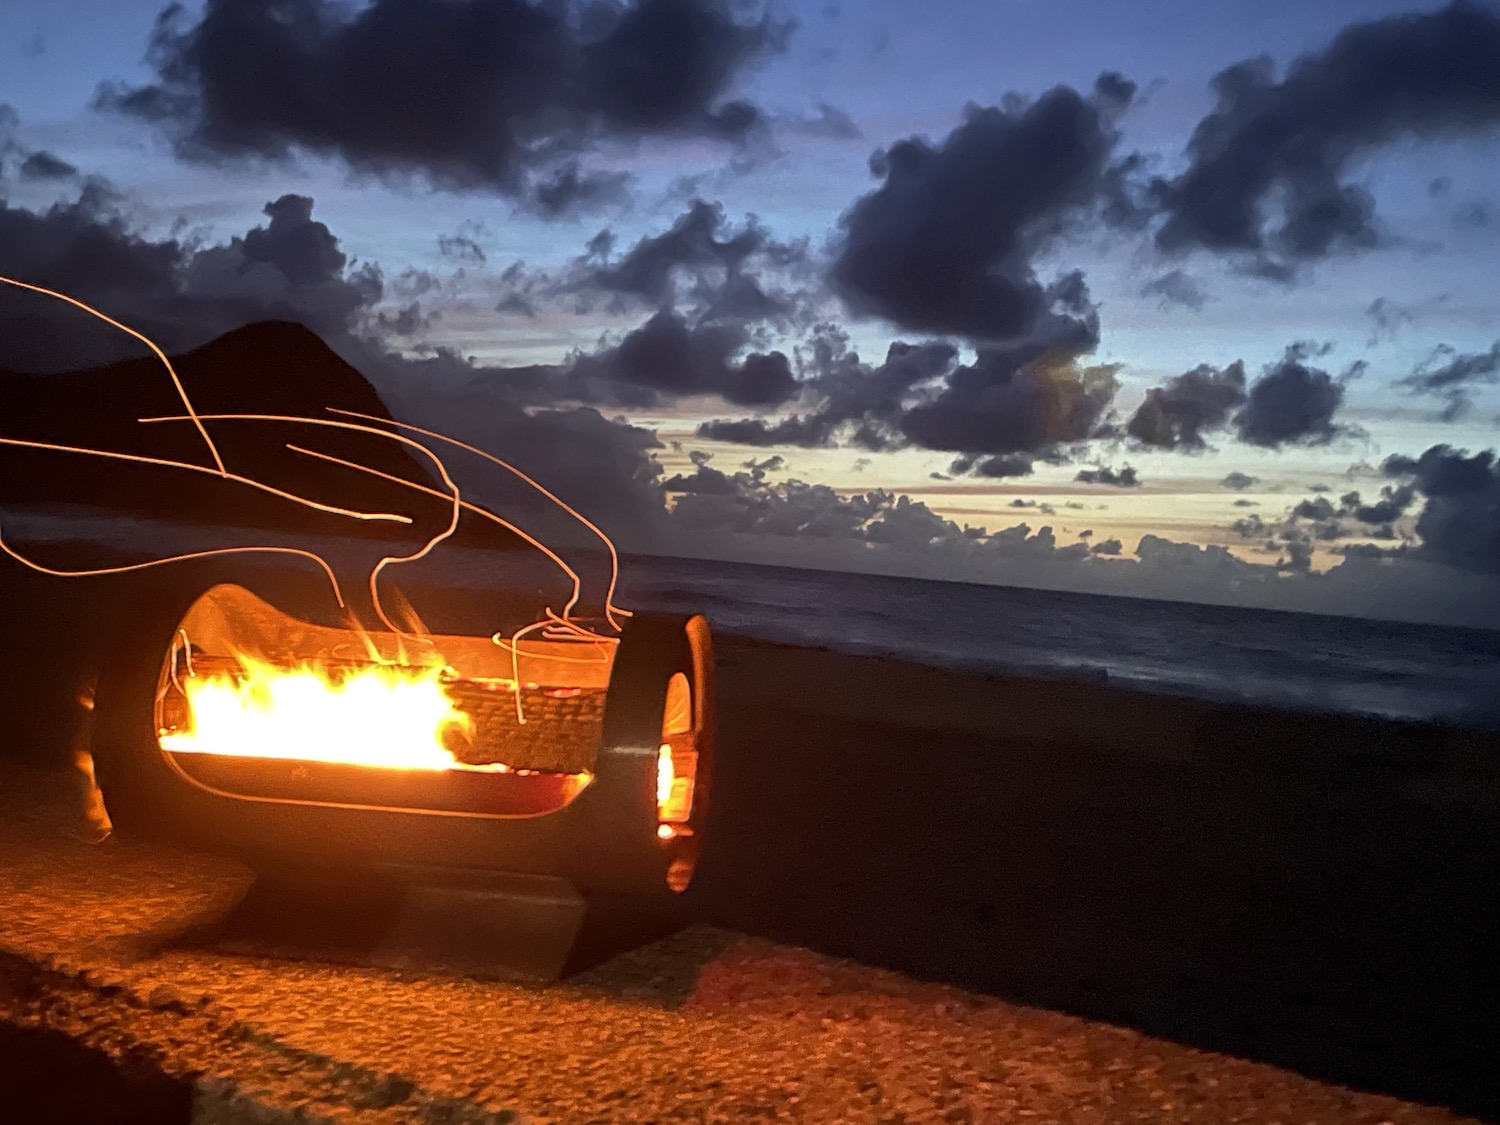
{"points": [[1295, 660]]}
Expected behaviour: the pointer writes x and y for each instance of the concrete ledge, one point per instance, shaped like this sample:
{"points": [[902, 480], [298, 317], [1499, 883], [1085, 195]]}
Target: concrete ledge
{"points": [[103, 972], [81, 1047]]}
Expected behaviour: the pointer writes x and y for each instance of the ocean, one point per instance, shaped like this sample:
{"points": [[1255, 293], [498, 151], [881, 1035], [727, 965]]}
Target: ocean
{"points": [[1294, 660]]}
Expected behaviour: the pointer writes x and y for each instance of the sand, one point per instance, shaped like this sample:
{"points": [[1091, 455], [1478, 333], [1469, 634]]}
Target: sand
{"points": [[925, 896]]}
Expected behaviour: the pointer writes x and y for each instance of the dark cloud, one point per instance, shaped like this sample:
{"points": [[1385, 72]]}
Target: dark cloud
{"points": [[1326, 530], [1426, 75], [1460, 522], [409, 320], [1175, 416], [717, 290], [1319, 508], [1293, 403], [1124, 477], [870, 401], [460, 247], [523, 291], [760, 379], [1111, 547], [83, 246], [999, 466], [292, 268], [861, 403], [1451, 376], [1113, 92], [570, 190], [704, 479], [1252, 527], [1392, 505], [1013, 400], [701, 262], [668, 357], [793, 509], [1176, 287], [945, 244], [1239, 481], [759, 468], [42, 165], [1389, 317], [755, 431], [470, 95], [1013, 404], [1018, 543], [1127, 200], [180, 295], [10, 145], [1397, 465], [1319, 519], [304, 250], [1298, 558], [412, 282], [1293, 541], [662, 64], [1243, 503]]}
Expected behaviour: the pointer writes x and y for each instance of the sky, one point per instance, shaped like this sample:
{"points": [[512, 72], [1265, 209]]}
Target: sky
{"points": [[1204, 288]]}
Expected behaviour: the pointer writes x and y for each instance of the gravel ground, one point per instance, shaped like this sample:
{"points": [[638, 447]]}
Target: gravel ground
{"points": [[704, 1026]]}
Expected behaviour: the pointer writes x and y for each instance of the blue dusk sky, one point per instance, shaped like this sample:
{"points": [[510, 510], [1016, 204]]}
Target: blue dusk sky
{"points": [[1205, 288]]}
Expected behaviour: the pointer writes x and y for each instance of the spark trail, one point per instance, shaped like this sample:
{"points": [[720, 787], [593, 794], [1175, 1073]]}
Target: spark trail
{"points": [[553, 627]]}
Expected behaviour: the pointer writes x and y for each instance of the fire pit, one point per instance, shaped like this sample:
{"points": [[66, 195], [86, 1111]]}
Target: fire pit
{"points": [[314, 751]]}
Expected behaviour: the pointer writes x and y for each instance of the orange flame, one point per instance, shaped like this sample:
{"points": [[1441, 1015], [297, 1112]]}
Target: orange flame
{"points": [[387, 716]]}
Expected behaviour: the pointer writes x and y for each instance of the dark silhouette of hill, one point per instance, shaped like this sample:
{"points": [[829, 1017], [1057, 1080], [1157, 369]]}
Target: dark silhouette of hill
{"points": [[271, 367]]}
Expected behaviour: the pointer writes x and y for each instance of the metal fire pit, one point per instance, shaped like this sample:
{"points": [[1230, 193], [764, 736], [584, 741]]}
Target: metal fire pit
{"points": [[494, 867]]}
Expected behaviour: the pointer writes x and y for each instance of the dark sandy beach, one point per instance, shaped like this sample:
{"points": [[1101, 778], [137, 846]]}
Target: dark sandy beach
{"points": [[1078, 891]]}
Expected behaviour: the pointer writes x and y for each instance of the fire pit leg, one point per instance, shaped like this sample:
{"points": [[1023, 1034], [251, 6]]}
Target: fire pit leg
{"points": [[520, 927], [505, 927]]}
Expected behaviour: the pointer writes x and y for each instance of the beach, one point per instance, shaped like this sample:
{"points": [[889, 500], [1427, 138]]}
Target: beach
{"points": [[926, 895]]}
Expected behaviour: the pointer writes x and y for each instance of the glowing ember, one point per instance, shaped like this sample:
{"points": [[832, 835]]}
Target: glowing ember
{"points": [[665, 775], [674, 792], [391, 716]]}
